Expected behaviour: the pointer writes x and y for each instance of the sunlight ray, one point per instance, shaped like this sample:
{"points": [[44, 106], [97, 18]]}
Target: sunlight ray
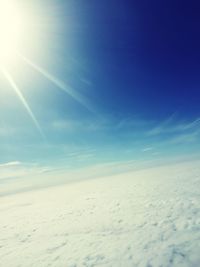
{"points": [[60, 84], [22, 99]]}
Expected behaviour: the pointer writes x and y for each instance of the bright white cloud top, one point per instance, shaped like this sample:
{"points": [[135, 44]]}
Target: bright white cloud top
{"points": [[143, 218]]}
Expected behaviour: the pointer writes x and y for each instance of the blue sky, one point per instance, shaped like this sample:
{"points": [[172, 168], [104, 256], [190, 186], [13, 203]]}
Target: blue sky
{"points": [[106, 81]]}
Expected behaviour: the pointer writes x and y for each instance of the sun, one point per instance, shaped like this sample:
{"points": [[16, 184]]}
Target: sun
{"points": [[10, 31]]}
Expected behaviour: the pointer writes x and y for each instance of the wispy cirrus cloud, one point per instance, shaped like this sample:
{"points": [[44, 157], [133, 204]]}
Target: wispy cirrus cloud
{"points": [[101, 123], [10, 164], [69, 125], [171, 125], [147, 149], [16, 169], [186, 138]]}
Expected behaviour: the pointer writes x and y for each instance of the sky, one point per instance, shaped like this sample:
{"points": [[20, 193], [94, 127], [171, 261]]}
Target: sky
{"points": [[101, 82]]}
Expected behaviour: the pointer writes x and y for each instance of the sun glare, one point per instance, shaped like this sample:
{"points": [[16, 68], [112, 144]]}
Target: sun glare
{"points": [[10, 31], [17, 25]]}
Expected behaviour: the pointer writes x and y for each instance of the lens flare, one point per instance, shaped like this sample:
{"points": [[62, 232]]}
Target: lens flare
{"points": [[61, 85], [22, 99]]}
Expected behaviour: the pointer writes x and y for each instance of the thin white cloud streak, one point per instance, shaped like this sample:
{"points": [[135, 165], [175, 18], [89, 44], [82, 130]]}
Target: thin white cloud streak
{"points": [[18, 169], [133, 123], [11, 163], [22, 99], [163, 126], [186, 138], [77, 125], [60, 84], [102, 124], [170, 126], [146, 149]]}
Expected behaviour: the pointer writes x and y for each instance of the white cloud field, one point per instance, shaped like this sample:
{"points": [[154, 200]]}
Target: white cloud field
{"points": [[143, 218]]}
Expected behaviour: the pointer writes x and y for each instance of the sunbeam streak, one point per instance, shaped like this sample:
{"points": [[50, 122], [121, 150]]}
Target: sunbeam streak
{"points": [[22, 99], [60, 84]]}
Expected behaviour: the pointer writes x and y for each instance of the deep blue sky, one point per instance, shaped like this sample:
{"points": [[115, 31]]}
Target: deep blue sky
{"points": [[136, 66], [145, 55]]}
